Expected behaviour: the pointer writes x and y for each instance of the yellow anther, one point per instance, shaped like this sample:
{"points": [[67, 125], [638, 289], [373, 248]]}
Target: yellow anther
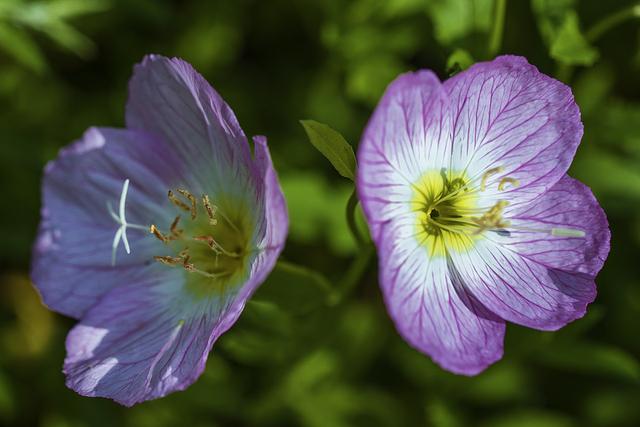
{"points": [[154, 230], [187, 265], [487, 175], [504, 181], [194, 203], [211, 209], [168, 260], [206, 239], [175, 231], [179, 203], [492, 219]]}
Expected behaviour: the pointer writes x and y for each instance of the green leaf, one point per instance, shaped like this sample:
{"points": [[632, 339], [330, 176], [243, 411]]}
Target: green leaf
{"points": [[550, 16], [69, 38], [458, 61], [456, 19], [570, 46], [333, 146], [20, 45]]}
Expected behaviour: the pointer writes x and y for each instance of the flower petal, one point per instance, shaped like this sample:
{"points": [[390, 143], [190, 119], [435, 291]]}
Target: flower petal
{"points": [[505, 113], [273, 224], [72, 255], [568, 205], [169, 98], [146, 340], [152, 337], [432, 309], [541, 280], [404, 138]]}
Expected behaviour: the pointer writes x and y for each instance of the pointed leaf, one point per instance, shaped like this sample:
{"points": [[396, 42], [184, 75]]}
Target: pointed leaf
{"points": [[333, 146], [570, 46], [21, 47]]}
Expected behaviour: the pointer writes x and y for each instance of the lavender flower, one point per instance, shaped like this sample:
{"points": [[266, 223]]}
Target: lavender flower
{"points": [[464, 187], [156, 236]]}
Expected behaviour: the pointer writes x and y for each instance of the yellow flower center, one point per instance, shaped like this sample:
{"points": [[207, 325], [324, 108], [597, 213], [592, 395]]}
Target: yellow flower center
{"points": [[443, 204], [449, 218]]}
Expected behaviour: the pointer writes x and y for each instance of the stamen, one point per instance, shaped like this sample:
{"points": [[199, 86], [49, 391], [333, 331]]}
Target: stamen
{"points": [[487, 174], [211, 209], [168, 260], [492, 219], [179, 203], [183, 260], [504, 181], [175, 231], [154, 230], [215, 246], [192, 200]]}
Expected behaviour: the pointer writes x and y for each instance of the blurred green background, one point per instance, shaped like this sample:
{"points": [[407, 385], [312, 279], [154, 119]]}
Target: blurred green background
{"points": [[294, 358]]}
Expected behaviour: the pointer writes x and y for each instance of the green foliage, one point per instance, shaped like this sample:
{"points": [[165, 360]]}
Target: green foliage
{"points": [[315, 345], [560, 29], [459, 60], [456, 19], [47, 17], [570, 46], [316, 210], [333, 146]]}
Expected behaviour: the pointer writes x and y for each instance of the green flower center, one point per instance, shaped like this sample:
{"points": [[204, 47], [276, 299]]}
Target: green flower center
{"points": [[212, 244]]}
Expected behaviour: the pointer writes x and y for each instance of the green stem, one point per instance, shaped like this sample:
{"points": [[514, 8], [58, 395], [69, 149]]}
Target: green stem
{"points": [[612, 21], [564, 72], [354, 274], [495, 39], [352, 204], [314, 275]]}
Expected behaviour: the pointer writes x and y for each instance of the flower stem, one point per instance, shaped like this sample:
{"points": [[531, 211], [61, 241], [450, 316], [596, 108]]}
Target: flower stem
{"points": [[612, 21], [495, 39], [564, 72], [313, 275], [353, 275], [352, 204]]}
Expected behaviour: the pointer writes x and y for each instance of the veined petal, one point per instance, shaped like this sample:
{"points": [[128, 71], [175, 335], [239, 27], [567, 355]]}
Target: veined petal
{"points": [[72, 256], [433, 310], [505, 113], [270, 232], [145, 340], [521, 290], [276, 219], [541, 280], [567, 206], [169, 98], [404, 138]]}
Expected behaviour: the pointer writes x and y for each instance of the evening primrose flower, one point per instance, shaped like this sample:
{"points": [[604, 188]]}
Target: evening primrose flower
{"points": [[464, 187], [156, 235]]}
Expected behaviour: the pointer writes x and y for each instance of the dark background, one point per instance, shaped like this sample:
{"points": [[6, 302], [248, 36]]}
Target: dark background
{"points": [[294, 359]]}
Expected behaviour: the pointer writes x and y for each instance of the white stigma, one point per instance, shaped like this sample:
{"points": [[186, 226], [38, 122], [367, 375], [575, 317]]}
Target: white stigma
{"points": [[567, 232], [121, 218]]}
